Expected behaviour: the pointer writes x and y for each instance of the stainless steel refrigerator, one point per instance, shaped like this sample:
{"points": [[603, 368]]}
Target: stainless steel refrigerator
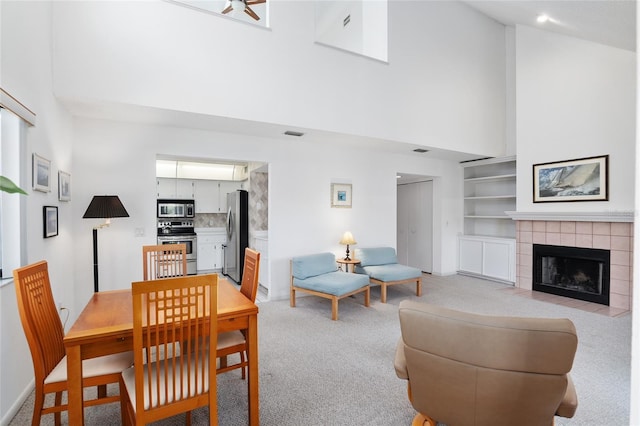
{"points": [[237, 234]]}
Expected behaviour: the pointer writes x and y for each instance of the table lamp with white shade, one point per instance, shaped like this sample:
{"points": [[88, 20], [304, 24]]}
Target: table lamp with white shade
{"points": [[347, 239]]}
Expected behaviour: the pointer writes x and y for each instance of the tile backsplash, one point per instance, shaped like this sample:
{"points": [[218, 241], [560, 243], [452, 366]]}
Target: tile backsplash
{"points": [[210, 220]]}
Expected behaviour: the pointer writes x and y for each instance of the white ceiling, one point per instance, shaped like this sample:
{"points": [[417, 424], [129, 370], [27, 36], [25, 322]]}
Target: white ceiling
{"points": [[610, 22]]}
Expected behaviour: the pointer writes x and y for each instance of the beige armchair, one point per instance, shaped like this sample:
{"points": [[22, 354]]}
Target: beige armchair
{"points": [[468, 369]]}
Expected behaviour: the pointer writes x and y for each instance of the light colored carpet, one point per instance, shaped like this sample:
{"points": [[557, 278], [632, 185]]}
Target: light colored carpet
{"points": [[315, 371]]}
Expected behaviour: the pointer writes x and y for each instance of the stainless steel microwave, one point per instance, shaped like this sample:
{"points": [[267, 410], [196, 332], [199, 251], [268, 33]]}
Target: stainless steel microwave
{"points": [[176, 208]]}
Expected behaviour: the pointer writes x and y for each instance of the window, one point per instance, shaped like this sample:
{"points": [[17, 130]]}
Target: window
{"points": [[14, 119]]}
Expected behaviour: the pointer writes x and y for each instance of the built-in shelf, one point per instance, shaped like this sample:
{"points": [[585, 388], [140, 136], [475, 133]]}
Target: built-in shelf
{"points": [[487, 248], [490, 197], [487, 178], [489, 192]]}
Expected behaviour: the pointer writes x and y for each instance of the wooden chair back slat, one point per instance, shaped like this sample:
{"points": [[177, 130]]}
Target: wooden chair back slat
{"points": [[250, 274], [164, 261], [45, 335], [39, 317], [175, 319]]}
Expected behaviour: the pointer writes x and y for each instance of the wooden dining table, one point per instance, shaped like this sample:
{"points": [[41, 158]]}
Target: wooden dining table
{"points": [[105, 326]]}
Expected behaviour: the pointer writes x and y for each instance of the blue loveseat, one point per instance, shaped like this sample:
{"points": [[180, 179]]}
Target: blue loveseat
{"points": [[381, 265], [318, 274]]}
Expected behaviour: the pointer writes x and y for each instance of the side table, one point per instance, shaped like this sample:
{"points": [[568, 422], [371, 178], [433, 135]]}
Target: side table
{"points": [[353, 262]]}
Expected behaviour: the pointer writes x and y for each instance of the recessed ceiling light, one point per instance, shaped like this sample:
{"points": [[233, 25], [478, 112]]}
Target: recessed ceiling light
{"points": [[420, 150], [293, 133], [542, 18], [398, 176]]}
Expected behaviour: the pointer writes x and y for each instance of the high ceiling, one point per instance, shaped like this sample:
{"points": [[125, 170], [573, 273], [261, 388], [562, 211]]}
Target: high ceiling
{"points": [[610, 22]]}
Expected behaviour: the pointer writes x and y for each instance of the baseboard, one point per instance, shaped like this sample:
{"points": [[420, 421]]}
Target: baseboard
{"points": [[15, 407], [484, 277]]}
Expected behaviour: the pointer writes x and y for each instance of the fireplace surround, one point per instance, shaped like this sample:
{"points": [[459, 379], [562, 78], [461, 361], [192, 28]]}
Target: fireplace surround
{"points": [[607, 231]]}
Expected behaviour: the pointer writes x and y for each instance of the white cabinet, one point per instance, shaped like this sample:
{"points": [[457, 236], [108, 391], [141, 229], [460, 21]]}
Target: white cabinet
{"points": [[184, 189], [490, 191], [206, 196], [225, 188], [261, 244], [210, 249], [174, 188], [487, 256], [166, 188], [211, 195]]}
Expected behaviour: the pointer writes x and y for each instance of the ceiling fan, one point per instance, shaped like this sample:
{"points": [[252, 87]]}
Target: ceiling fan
{"points": [[243, 5]]}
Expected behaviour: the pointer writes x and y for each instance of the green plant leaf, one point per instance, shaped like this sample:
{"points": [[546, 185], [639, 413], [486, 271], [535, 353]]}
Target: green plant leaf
{"points": [[7, 185]]}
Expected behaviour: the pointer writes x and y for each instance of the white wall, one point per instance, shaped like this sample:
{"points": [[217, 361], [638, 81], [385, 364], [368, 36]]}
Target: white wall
{"points": [[575, 99], [119, 158], [25, 73], [443, 85]]}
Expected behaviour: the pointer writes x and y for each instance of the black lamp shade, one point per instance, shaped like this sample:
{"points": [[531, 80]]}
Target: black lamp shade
{"points": [[105, 207]]}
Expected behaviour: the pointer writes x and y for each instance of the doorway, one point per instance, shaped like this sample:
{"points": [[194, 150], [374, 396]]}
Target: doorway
{"points": [[415, 222]]}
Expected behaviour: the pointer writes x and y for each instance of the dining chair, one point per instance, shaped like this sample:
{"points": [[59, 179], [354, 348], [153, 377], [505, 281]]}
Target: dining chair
{"points": [[235, 341], [163, 261], [44, 331], [168, 314]]}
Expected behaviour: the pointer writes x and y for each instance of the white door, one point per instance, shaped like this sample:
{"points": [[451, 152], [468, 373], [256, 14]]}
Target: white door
{"points": [[415, 225], [402, 232]]}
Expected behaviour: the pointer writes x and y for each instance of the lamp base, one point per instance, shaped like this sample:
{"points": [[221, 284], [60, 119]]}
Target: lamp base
{"points": [[347, 258]]}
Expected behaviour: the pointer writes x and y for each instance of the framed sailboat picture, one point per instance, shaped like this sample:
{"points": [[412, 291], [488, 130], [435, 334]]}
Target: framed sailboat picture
{"points": [[583, 179]]}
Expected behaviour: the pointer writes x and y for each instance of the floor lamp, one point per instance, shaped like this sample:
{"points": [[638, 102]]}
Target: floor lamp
{"points": [[102, 207]]}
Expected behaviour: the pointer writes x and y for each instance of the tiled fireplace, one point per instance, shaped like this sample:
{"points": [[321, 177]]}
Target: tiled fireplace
{"points": [[615, 236]]}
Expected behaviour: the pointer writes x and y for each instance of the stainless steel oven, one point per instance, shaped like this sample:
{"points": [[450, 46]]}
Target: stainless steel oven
{"points": [[180, 232]]}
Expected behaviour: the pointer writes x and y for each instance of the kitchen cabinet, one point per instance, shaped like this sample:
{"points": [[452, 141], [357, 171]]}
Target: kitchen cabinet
{"points": [[166, 188], [211, 195], [210, 251], [206, 196], [225, 188], [175, 188], [261, 244]]}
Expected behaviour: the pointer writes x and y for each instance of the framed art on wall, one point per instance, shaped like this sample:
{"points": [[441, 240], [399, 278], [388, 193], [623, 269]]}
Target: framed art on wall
{"points": [[341, 195], [64, 186], [41, 173], [50, 221], [583, 179]]}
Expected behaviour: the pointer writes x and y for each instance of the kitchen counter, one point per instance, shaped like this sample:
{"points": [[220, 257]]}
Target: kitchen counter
{"points": [[210, 231]]}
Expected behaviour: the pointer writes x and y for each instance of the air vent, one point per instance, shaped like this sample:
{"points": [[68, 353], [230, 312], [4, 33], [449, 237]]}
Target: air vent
{"points": [[420, 150], [293, 133], [346, 20]]}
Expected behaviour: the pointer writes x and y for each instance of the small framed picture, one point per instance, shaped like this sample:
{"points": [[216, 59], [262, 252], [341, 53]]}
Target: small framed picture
{"points": [[50, 221], [64, 186], [584, 179], [41, 173], [341, 195]]}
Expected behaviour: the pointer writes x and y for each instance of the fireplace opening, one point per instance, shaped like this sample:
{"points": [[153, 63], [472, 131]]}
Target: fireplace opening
{"points": [[579, 273]]}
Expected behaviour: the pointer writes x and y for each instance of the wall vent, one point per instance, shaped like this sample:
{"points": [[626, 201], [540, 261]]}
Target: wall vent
{"points": [[293, 133], [420, 150], [346, 20]]}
